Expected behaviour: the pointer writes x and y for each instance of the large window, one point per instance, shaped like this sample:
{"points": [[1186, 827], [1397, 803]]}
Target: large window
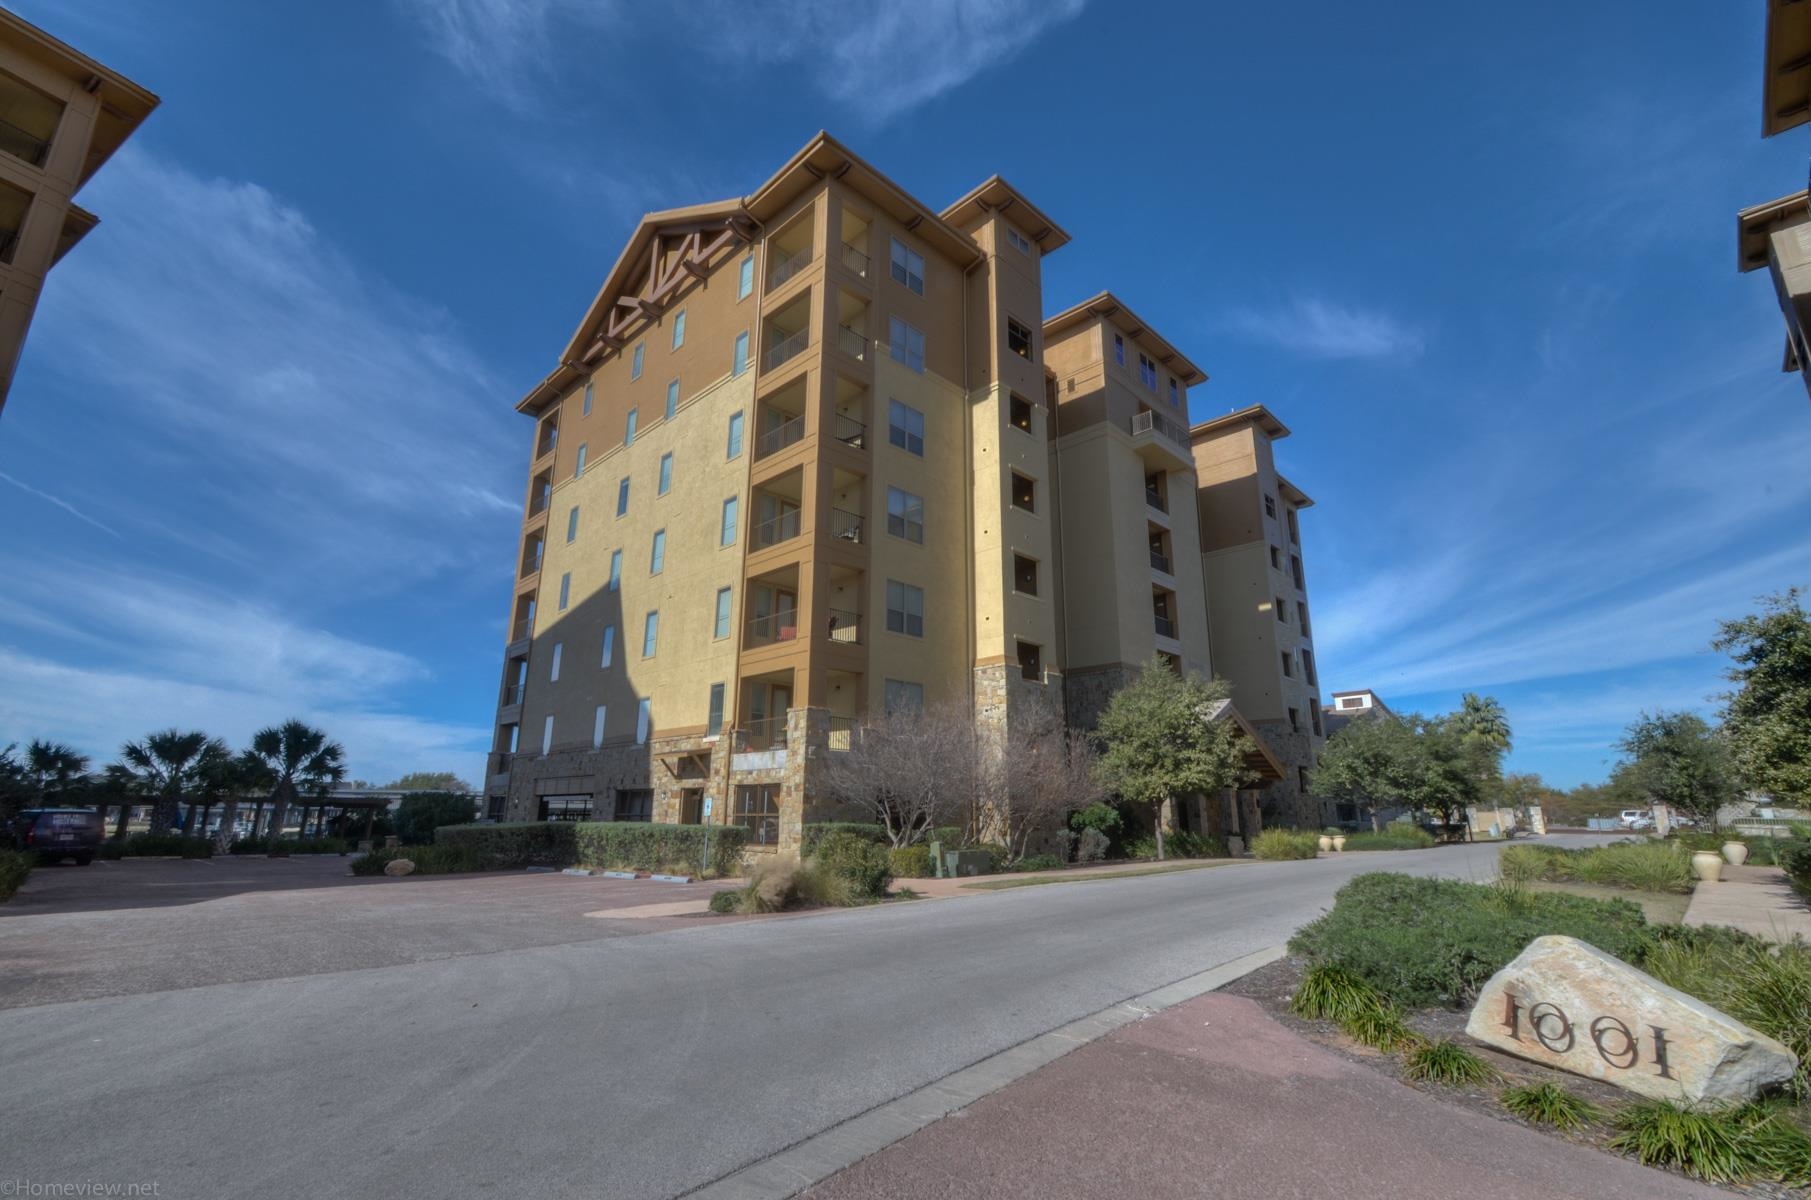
{"points": [[726, 536], [679, 329], [757, 810], [903, 696], [905, 609], [906, 343], [714, 722], [1024, 575], [1119, 349], [905, 427], [666, 473], [1018, 413], [635, 804], [565, 808], [657, 556], [735, 435], [908, 266], [745, 277], [635, 360], [1031, 662], [1024, 492], [650, 634], [905, 515], [724, 600], [738, 362], [1147, 372], [1018, 338]]}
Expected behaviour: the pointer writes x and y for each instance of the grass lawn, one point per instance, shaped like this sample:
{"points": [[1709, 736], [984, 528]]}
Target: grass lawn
{"points": [[1660, 908], [995, 885]]}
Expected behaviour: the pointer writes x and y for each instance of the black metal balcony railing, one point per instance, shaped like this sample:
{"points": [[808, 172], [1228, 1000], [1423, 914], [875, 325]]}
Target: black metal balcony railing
{"points": [[787, 348], [549, 439], [22, 144], [1160, 561], [774, 627], [531, 563], [851, 432], [514, 694], [775, 530], [762, 733], [844, 626], [855, 260], [841, 736], [780, 436], [1146, 422], [540, 500], [521, 629], [846, 526], [785, 266], [852, 342], [1165, 626], [1154, 499]]}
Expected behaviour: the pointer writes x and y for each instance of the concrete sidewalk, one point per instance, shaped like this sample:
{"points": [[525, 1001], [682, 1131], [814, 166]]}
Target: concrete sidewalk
{"points": [[1757, 900], [1213, 1098]]}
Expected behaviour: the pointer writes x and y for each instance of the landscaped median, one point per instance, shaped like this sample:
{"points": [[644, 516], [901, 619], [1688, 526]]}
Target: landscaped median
{"points": [[596, 845]]}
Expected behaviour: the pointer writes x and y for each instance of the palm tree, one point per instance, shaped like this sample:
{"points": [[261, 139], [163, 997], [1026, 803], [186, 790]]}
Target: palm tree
{"points": [[303, 762], [1483, 717], [168, 765], [231, 780], [55, 769]]}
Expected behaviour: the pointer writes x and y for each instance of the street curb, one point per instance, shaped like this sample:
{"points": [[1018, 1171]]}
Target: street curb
{"points": [[792, 1170]]}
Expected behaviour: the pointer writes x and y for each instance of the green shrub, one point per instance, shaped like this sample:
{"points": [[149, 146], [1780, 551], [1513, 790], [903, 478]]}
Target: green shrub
{"points": [[14, 867], [1038, 862], [1646, 866], [145, 845], [420, 814], [1183, 844], [521, 844], [725, 901], [1446, 1063], [1550, 1104], [329, 845], [1795, 858], [998, 856], [816, 831], [1101, 816], [775, 885], [1436, 941], [428, 860], [1092, 846], [1765, 985], [1397, 837], [1710, 1144], [1334, 994], [645, 846], [911, 862], [865, 866], [1382, 1029], [1276, 844]]}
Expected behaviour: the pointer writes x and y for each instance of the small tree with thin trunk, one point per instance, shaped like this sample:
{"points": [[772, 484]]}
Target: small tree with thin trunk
{"points": [[1159, 741], [909, 771], [1047, 772]]}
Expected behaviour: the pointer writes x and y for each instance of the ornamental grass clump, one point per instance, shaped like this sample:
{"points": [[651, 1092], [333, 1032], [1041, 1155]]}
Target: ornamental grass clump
{"points": [[1714, 1145], [1334, 994], [1279, 844], [1550, 1104], [1446, 1063]]}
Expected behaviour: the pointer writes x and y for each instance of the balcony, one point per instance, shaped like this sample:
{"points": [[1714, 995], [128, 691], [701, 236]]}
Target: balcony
{"points": [[774, 628], [782, 432], [852, 342], [761, 733], [1160, 561], [782, 527], [523, 628], [856, 260], [549, 439], [840, 737], [786, 347], [786, 265], [846, 526], [844, 627], [514, 694], [499, 762], [1160, 441], [1164, 625], [851, 432], [540, 493], [21, 143]]}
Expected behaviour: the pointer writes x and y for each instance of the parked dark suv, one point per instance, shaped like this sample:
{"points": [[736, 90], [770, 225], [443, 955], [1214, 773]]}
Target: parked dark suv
{"points": [[55, 833]]}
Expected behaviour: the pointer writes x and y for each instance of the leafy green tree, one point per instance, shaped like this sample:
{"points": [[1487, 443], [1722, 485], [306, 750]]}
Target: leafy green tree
{"points": [[1680, 760], [58, 772], [166, 767], [1368, 763], [1441, 777], [15, 789], [302, 763], [1159, 741], [418, 816], [1768, 717], [1482, 728], [431, 781]]}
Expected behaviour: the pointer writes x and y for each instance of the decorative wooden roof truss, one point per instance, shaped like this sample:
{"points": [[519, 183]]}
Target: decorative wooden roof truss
{"points": [[677, 255]]}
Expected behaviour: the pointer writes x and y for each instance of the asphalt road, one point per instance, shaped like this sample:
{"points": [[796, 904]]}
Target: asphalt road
{"points": [[633, 1066]]}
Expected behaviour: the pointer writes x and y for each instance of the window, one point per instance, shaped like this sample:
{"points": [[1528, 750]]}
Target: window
{"points": [[1288, 665], [905, 427], [1024, 575], [1282, 608], [1024, 493], [1301, 616], [1031, 662], [666, 473], [622, 496], [905, 609], [572, 524], [1314, 714], [1276, 558], [1175, 395], [553, 674], [629, 427], [721, 629], [758, 811], [609, 654], [901, 696], [597, 727], [672, 398], [1019, 241], [679, 329], [738, 362], [578, 468], [616, 569], [735, 435], [1295, 720], [635, 804], [1018, 412], [1018, 339], [1147, 372], [565, 590], [650, 634], [906, 343], [657, 557], [908, 266], [1295, 567], [586, 411], [635, 360], [1352, 702], [745, 278], [1308, 666], [1270, 507], [1119, 349], [905, 515], [1295, 529], [643, 715], [714, 722], [1301, 779], [547, 734], [727, 535]]}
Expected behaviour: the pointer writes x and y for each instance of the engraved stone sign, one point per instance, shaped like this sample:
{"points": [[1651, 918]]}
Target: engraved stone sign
{"points": [[1566, 1004]]}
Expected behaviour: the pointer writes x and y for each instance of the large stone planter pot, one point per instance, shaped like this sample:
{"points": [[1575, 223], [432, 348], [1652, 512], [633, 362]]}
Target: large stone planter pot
{"points": [[1339, 843], [1707, 865], [1735, 853], [1326, 843]]}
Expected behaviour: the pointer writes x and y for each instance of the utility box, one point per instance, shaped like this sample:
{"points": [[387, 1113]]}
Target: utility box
{"points": [[957, 863]]}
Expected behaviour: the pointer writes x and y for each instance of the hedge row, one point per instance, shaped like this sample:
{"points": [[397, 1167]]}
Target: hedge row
{"points": [[522, 844], [325, 845], [428, 860], [144, 845], [14, 868], [603, 845]]}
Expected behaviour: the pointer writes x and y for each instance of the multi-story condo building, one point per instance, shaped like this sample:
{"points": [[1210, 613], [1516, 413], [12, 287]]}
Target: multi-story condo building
{"points": [[61, 116], [814, 454], [1777, 235], [1346, 707], [1257, 597]]}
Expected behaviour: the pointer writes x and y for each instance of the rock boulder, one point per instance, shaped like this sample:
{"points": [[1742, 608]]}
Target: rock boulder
{"points": [[399, 866]]}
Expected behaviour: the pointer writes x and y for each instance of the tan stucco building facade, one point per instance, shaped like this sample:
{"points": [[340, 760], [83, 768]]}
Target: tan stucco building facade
{"points": [[1776, 236], [814, 453], [61, 116]]}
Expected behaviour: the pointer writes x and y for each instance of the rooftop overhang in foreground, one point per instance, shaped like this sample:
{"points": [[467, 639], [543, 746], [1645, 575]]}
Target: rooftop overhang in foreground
{"points": [[1755, 225], [124, 104], [1786, 72], [1257, 415], [1106, 305], [1294, 496], [996, 195]]}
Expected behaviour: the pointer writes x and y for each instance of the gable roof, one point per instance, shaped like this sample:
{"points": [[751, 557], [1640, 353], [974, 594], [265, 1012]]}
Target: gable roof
{"points": [[994, 194], [1107, 306], [1258, 758]]}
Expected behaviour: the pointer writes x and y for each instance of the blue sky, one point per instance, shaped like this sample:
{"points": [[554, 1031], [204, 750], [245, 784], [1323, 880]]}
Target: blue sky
{"points": [[261, 458]]}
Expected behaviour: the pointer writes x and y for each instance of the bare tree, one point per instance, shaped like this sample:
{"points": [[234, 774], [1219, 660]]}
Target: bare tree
{"points": [[1046, 772], [911, 771]]}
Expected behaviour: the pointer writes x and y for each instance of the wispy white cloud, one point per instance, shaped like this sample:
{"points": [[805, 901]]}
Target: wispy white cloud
{"points": [[58, 502], [848, 50], [1323, 329]]}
